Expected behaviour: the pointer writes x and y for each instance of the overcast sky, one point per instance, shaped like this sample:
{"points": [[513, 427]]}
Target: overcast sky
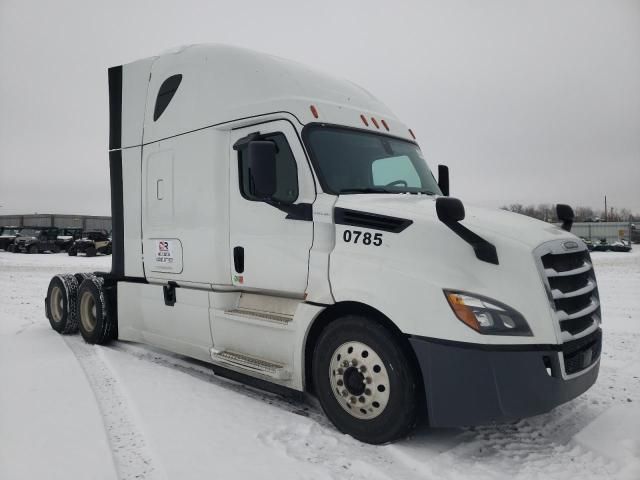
{"points": [[526, 101]]}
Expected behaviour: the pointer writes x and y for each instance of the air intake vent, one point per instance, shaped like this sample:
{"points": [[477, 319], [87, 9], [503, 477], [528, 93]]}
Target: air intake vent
{"points": [[373, 221]]}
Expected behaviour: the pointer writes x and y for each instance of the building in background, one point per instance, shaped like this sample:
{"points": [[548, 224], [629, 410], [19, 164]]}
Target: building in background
{"points": [[86, 222]]}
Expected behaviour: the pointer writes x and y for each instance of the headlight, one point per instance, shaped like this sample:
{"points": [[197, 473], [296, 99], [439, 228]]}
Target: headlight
{"points": [[487, 316]]}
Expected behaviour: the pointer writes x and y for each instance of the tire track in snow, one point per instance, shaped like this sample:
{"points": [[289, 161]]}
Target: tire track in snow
{"points": [[129, 447], [314, 442], [538, 447]]}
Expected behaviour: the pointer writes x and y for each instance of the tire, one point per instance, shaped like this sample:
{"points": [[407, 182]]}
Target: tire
{"points": [[32, 249], [91, 252], [80, 277], [73, 251], [55, 249], [96, 324], [11, 248], [61, 304], [376, 405]]}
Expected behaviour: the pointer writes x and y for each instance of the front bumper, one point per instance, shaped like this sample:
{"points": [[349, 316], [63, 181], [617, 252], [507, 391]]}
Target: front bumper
{"points": [[23, 246], [469, 384], [82, 247]]}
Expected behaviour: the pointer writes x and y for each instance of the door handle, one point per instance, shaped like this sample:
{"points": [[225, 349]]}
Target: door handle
{"points": [[238, 259]]}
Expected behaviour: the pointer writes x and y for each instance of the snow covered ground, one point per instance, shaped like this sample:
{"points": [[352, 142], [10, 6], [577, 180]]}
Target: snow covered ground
{"points": [[69, 410]]}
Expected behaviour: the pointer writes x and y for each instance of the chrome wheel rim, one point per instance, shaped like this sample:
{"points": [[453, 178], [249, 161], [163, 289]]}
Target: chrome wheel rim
{"points": [[88, 315], [56, 304], [359, 380]]}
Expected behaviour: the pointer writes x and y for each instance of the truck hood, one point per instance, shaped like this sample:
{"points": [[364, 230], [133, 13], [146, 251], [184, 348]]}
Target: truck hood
{"points": [[494, 223]]}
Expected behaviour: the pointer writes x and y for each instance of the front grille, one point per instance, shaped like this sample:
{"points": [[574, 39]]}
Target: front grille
{"points": [[565, 261], [572, 288], [576, 325], [570, 283], [572, 305], [582, 353]]}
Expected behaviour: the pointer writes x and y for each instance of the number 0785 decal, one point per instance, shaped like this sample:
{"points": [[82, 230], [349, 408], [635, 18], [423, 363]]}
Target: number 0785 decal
{"points": [[365, 238]]}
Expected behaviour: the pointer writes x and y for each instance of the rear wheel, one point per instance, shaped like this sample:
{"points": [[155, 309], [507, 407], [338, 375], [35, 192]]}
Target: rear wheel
{"points": [[33, 249], [91, 252], [73, 251], [365, 382], [61, 304], [80, 277], [96, 323], [11, 248]]}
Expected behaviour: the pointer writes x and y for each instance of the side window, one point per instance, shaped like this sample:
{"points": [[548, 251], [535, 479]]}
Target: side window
{"points": [[286, 171], [165, 94], [395, 169]]}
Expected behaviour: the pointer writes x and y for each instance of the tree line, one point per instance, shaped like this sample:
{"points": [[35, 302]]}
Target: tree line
{"points": [[547, 213]]}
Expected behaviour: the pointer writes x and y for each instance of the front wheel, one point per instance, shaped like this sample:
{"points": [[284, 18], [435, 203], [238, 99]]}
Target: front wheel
{"points": [[364, 380], [33, 249]]}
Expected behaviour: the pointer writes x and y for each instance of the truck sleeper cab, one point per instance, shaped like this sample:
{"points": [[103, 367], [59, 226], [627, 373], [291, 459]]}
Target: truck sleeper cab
{"points": [[284, 226]]}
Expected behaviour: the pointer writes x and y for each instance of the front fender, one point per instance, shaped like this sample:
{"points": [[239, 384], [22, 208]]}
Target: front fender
{"points": [[404, 279]]}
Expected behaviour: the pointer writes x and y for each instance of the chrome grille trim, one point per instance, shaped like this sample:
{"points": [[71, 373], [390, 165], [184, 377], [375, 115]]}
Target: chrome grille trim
{"points": [[558, 294]]}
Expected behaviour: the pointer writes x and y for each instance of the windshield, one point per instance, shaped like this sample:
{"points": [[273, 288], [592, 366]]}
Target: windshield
{"points": [[353, 161], [9, 231], [29, 232]]}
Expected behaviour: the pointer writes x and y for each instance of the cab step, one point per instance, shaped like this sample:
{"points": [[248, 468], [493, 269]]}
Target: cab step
{"points": [[279, 318], [257, 365]]}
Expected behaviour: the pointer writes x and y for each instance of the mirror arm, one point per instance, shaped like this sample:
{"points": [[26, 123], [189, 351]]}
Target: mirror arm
{"points": [[294, 211]]}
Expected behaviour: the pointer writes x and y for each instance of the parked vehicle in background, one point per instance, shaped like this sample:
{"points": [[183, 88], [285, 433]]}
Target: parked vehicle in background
{"points": [[66, 237], [91, 243], [635, 233], [601, 246], [7, 236], [621, 245], [588, 243], [37, 240]]}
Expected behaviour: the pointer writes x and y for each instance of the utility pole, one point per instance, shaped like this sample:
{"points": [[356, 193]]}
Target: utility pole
{"points": [[605, 208]]}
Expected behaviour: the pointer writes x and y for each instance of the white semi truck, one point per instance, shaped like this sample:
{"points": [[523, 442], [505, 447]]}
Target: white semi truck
{"points": [[284, 226]]}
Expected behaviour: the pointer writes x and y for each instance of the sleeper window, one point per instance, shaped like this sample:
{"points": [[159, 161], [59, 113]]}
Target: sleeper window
{"points": [[165, 94]]}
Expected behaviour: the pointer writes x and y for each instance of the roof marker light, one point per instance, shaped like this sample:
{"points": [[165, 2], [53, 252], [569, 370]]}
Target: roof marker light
{"points": [[411, 132], [314, 111], [375, 122], [384, 124], [364, 120]]}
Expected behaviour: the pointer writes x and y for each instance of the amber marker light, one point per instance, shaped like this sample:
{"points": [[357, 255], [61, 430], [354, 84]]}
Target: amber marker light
{"points": [[364, 120], [375, 122], [384, 124], [462, 311], [314, 111], [412, 135]]}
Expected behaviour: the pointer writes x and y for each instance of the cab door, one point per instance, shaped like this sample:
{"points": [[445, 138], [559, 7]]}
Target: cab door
{"points": [[270, 240]]}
